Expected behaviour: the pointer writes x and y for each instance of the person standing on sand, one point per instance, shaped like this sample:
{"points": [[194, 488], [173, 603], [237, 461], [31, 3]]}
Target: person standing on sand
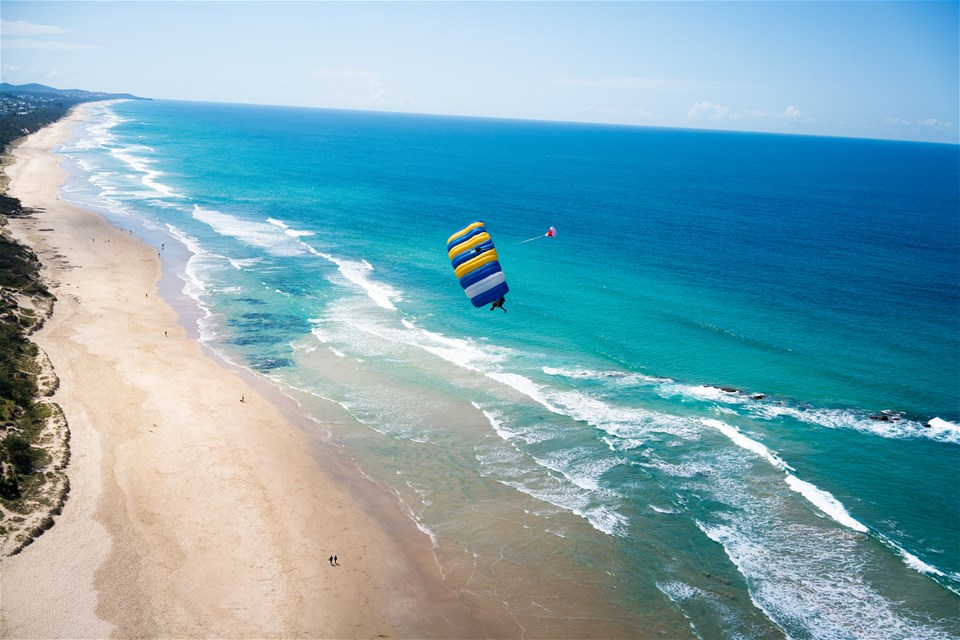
{"points": [[331, 561]]}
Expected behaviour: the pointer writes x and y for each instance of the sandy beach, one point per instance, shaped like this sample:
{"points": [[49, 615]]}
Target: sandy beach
{"points": [[191, 513]]}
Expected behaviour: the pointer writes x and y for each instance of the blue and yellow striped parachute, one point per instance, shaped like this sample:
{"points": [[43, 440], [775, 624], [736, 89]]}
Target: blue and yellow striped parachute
{"points": [[475, 263]]}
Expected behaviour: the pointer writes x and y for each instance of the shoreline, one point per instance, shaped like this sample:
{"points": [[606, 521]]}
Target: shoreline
{"points": [[192, 513]]}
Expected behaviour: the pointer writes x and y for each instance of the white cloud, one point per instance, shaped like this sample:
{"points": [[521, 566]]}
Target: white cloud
{"points": [[26, 75], [600, 111], [19, 34], [708, 112], [24, 28], [377, 92], [705, 111], [53, 45], [341, 73], [356, 87], [634, 83], [927, 123], [935, 124], [792, 113]]}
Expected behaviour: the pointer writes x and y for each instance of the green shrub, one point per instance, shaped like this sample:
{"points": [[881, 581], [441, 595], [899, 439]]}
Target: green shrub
{"points": [[9, 488], [20, 453]]}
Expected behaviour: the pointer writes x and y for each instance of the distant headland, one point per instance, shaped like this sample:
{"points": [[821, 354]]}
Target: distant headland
{"points": [[34, 93], [27, 108]]}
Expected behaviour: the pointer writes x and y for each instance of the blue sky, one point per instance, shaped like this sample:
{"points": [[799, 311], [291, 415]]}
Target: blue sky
{"points": [[862, 69]]}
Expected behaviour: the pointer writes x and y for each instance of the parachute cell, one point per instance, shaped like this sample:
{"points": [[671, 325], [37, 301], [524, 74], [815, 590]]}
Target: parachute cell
{"points": [[476, 265]]}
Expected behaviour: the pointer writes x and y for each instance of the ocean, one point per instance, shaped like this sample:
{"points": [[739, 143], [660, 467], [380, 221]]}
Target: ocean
{"points": [[704, 412]]}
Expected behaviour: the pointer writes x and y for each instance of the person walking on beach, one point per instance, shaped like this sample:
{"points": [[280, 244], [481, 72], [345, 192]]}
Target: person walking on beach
{"points": [[331, 561]]}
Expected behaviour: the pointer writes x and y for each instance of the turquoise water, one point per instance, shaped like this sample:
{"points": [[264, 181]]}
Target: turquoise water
{"points": [[576, 461]]}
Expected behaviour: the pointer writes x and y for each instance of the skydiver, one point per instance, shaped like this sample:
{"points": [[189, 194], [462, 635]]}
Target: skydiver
{"points": [[498, 304]]}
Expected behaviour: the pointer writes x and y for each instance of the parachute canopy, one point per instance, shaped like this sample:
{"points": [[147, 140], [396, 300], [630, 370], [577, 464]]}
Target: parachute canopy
{"points": [[475, 264]]}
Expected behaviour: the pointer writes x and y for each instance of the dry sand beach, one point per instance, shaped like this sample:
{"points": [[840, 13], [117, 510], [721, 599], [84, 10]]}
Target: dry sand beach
{"points": [[191, 513]]}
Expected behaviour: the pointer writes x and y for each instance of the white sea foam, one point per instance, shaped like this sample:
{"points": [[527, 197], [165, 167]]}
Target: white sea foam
{"points": [[829, 505], [622, 377], [619, 421], [758, 406], [944, 431], [687, 469], [747, 443], [257, 234], [677, 591], [464, 353], [825, 502], [809, 586], [388, 415], [702, 392], [680, 593], [578, 502], [948, 579], [194, 285], [507, 434], [581, 467], [293, 233], [140, 164], [572, 486], [900, 429], [349, 326], [358, 273], [822, 500], [98, 128], [663, 510], [244, 263]]}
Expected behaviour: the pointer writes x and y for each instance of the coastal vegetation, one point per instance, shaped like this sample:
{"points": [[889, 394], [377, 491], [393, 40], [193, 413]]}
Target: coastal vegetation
{"points": [[33, 433], [34, 436]]}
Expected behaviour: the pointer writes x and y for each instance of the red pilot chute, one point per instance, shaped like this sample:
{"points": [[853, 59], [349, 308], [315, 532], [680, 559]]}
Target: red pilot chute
{"points": [[551, 233]]}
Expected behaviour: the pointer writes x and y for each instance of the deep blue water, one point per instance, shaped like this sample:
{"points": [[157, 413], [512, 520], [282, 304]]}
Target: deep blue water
{"points": [[576, 460]]}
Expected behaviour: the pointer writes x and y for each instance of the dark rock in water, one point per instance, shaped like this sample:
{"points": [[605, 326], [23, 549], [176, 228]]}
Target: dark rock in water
{"points": [[758, 396], [886, 416], [730, 389]]}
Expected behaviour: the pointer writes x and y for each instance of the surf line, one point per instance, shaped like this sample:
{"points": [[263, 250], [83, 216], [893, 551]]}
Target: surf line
{"points": [[822, 500], [827, 503]]}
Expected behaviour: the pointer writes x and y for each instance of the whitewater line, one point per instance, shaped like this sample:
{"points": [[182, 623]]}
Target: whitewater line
{"points": [[828, 504], [822, 500]]}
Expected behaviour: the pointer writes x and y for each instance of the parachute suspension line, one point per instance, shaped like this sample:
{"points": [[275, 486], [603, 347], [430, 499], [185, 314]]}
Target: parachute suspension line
{"points": [[551, 233]]}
